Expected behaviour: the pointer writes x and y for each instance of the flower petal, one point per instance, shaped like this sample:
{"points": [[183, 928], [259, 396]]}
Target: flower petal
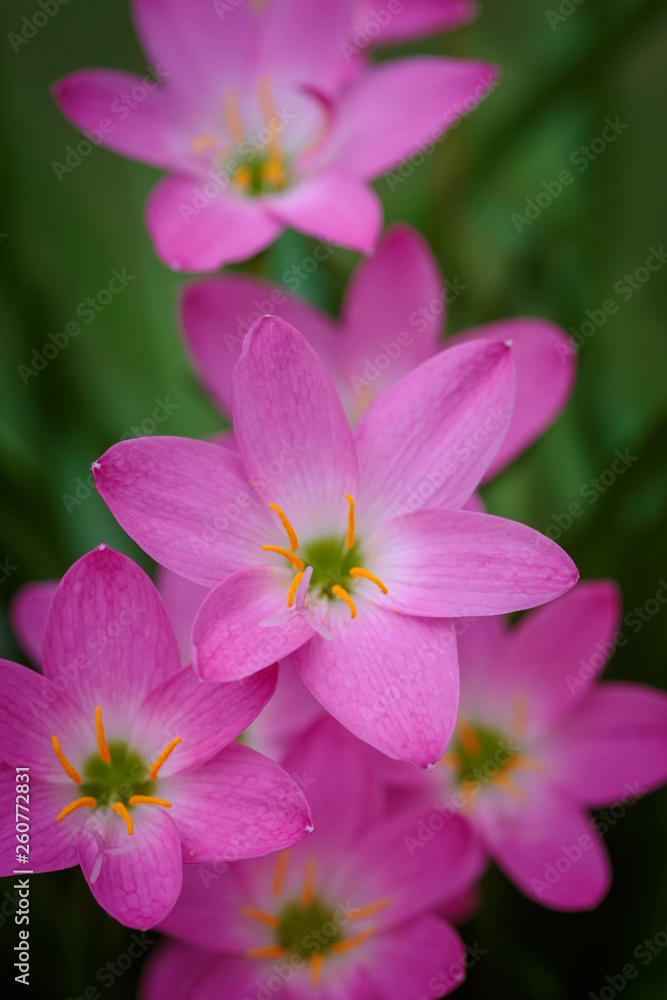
{"points": [[424, 959], [28, 612], [52, 845], [218, 312], [391, 679], [194, 230], [545, 369], [334, 206], [427, 441], [172, 970], [456, 563], [205, 716], [136, 879], [182, 600], [108, 638], [392, 111], [280, 726], [237, 805], [187, 503], [291, 431], [418, 18], [230, 642]]}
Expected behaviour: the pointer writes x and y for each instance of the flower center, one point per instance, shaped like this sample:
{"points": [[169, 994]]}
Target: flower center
{"points": [[334, 561], [115, 778], [309, 926]]}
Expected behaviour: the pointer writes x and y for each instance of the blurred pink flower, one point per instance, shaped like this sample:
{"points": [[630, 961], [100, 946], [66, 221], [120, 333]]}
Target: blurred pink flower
{"points": [[392, 320], [132, 768], [348, 914], [261, 124], [318, 553], [380, 22]]}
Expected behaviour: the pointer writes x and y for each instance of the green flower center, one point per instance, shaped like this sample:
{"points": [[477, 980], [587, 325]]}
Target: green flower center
{"points": [[475, 747], [124, 776], [305, 929], [331, 561]]}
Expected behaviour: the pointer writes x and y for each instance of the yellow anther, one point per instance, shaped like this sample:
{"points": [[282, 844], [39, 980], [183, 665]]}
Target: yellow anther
{"points": [[273, 170], [121, 811], [274, 174], [340, 947], [281, 869], [294, 560], [102, 744], [524, 763], [261, 917], [291, 533], [272, 951], [357, 571], [157, 764], [344, 596], [506, 783], [469, 791], [147, 800], [308, 894], [359, 913], [469, 739], [450, 759], [294, 586], [230, 104], [349, 541], [243, 178], [316, 963], [203, 142], [67, 767], [87, 800]]}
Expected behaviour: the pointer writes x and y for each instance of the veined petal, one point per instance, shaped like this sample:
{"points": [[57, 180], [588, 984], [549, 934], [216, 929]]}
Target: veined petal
{"points": [[52, 844]]}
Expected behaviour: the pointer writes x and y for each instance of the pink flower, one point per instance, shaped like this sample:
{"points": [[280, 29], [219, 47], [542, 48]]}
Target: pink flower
{"points": [[539, 742], [130, 771], [392, 320], [311, 534], [379, 22], [348, 914], [260, 124]]}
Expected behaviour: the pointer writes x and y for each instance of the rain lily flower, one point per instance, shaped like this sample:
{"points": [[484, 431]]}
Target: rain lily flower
{"points": [[132, 768], [309, 535], [392, 320], [261, 125], [539, 742], [347, 914]]}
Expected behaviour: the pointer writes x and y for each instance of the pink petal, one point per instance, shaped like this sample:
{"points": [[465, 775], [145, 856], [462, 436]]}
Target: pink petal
{"points": [[100, 103], [171, 970], [136, 879], [545, 369], [333, 206], [391, 679], [291, 431], [206, 716], [292, 710], [206, 976], [238, 805], [548, 847], [414, 19], [614, 746], [201, 226], [393, 111], [218, 312], [108, 638], [187, 503], [52, 845], [455, 563], [384, 334], [427, 441], [229, 639], [425, 959], [182, 600], [28, 612]]}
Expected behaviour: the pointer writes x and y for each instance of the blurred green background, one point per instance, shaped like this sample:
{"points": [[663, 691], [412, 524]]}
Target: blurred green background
{"points": [[564, 74]]}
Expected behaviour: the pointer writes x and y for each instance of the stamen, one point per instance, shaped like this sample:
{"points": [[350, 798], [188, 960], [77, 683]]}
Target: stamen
{"points": [[291, 533], [506, 783], [121, 810], [102, 744], [469, 738], [281, 869], [273, 951], [263, 918], [358, 571], [203, 142], [157, 764], [344, 596], [67, 767], [469, 791], [308, 894], [340, 947], [243, 178], [273, 170], [148, 800], [295, 561], [367, 911], [230, 103], [87, 800], [451, 760], [349, 541], [316, 963], [294, 585], [524, 763]]}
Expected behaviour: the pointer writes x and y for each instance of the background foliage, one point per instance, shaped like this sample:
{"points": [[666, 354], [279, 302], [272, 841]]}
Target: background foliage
{"points": [[62, 238]]}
